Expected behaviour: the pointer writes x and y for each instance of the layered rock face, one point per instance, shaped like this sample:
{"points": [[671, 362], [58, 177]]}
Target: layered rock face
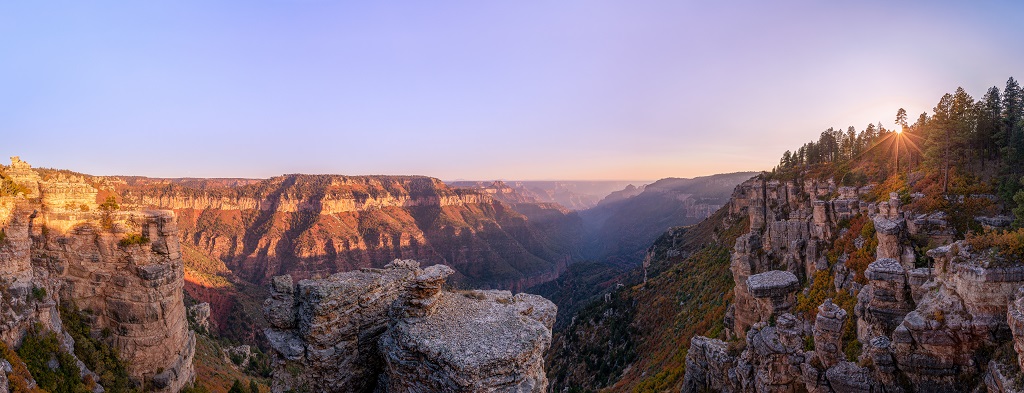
{"points": [[395, 330], [917, 328], [788, 234], [56, 240], [313, 225]]}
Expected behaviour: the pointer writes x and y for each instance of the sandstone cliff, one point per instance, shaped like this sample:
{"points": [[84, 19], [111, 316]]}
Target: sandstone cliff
{"points": [[123, 267], [396, 330], [315, 225]]}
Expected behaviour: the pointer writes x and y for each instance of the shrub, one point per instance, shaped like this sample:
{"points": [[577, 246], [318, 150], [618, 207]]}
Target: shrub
{"points": [[1018, 212], [10, 188], [1007, 244], [38, 350], [98, 355], [107, 209], [133, 239], [38, 293]]}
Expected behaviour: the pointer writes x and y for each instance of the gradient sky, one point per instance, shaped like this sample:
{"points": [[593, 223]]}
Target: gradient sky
{"points": [[475, 89]]}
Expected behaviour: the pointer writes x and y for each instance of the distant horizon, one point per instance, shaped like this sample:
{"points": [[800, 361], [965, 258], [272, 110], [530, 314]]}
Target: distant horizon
{"points": [[35, 166], [567, 90]]}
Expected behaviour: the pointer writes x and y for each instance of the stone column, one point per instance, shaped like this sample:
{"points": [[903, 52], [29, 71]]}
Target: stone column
{"points": [[828, 332]]}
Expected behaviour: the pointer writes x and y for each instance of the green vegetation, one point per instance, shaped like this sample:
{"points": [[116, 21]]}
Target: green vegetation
{"points": [[41, 349], [19, 377], [133, 239], [194, 388], [9, 188], [1018, 212], [96, 352], [107, 209], [823, 287], [38, 293], [963, 148]]}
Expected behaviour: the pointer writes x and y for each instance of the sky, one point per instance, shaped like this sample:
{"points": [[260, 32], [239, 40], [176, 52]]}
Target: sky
{"points": [[525, 90]]}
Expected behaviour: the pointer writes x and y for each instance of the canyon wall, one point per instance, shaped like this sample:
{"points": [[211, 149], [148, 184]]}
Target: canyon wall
{"points": [[122, 267], [315, 225]]}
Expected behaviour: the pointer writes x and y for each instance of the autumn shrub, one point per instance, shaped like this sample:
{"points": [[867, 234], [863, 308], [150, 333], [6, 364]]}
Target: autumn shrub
{"points": [[19, 377], [1007, 244]]}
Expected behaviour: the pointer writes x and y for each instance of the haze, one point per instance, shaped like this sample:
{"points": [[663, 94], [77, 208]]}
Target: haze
{"points": [[475, 90]]}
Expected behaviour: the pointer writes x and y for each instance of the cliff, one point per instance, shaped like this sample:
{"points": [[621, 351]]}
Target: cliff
{"points": [[395, 330], [623, 226], [832, 293], [123, 268], [310, 225]]}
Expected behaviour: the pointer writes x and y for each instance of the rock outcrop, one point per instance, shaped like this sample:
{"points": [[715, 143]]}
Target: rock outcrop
{"points": [[828, 328], [918, 328], [124, 267], [396, 330], [200, 314]]}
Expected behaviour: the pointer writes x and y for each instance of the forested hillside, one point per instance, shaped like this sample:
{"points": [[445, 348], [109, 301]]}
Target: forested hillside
{"points": [[955, 173]]}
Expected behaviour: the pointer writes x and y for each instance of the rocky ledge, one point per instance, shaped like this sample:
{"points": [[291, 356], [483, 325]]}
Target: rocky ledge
{"points": [[396, 330]]}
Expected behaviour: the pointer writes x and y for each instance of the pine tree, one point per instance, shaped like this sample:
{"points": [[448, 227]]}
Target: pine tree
{"points": [[237, 387], [989, 119], [1011, 139], [901, 118]]}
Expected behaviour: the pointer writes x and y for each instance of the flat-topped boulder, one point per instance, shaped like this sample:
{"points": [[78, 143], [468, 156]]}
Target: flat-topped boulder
{"points": [[885, 269], [397, 330], [471, 342], [772, 283]]}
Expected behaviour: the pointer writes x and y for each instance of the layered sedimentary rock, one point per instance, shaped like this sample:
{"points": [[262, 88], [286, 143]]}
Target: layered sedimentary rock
{"points": [[325, 332], [310, 226], [892, 241], [918, 327], [395, 329], [774, 354], [774, 290], [883, 303], [133, 288], [828, 329], [709, 365]]}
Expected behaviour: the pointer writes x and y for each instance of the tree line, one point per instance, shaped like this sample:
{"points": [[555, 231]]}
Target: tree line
{"points": [[976, 141]]}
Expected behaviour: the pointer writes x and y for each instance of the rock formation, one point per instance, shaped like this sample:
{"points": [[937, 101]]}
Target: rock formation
{"points": [[917, 328], [124, 267], [200, 314], [395, 329], [828, 328], [775, 291]]}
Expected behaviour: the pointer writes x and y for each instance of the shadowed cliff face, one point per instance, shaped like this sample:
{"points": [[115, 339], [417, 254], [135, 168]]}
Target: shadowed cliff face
{"points": [[315, 225], [624, 224]]}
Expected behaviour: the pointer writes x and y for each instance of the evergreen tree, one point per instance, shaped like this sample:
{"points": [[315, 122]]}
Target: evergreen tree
{"points": [[253, 387], [1011, 139], [989, 113], [237, 387], [901, 118]]}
